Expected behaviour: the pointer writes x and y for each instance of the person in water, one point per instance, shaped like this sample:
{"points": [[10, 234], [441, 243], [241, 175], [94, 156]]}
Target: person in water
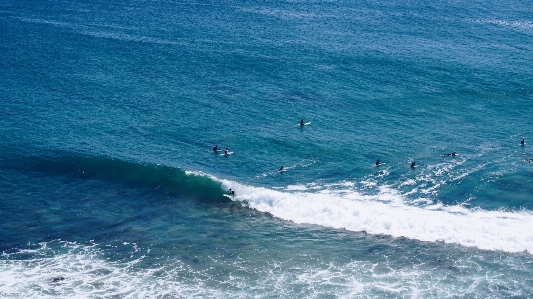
{"points": [[226, 151], [523, 141], [454, 154], [231, 192], [377, 163], [302, 122], [216, 148], [58, 279], [413, 164], [280, 169]]}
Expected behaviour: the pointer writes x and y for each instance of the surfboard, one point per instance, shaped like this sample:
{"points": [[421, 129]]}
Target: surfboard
{"points": [[305, 124], [228, 196], [379, 164], [284, 170], [229, 153]]}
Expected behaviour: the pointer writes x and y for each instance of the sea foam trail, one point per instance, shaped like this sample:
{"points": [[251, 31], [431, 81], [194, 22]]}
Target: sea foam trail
{"points": [[388, 214]]}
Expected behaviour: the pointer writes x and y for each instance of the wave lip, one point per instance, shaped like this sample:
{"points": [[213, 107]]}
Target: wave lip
{"points": [[387, 214]]}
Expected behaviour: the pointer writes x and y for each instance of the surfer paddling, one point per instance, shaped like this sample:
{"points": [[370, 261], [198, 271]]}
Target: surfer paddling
{"points": [[522, 142], [216, 148], [281, 169], [452, 154], [302, 122]]}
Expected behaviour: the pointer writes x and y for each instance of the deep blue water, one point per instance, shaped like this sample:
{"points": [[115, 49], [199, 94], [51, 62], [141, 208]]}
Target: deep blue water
{"points": [[109, 111]]}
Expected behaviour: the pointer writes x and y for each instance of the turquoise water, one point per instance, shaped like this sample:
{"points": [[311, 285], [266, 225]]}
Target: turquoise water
{"points": [[109, 187]]}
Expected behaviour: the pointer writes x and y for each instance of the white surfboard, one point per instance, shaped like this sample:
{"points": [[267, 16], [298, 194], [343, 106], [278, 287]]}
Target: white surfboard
{"points": [[229, 153], [306, 124]]}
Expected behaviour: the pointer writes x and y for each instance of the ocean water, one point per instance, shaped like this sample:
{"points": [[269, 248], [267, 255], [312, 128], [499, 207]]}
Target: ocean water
{"points": [[109, 187]]}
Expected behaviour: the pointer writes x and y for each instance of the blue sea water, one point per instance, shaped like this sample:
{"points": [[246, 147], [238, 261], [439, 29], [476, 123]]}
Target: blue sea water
{"points": [[109, 111]]}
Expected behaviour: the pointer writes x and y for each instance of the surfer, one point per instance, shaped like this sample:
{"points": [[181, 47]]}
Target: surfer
{"points": [[413, 164], [280, 169], [226, 151], [522, 142], [302, 122], [452, 154], [377, 163], [216, 148], [231, 192], [58, 279]]}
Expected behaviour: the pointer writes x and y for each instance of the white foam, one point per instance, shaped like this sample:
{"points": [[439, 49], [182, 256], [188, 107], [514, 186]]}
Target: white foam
{"points": [[387, 213], [93, 271], [88, 273], [506, 23], [297, 187]]}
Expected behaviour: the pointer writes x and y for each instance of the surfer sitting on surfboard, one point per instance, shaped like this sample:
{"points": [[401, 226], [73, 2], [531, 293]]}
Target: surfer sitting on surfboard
{"points": [[413, 164], [281, 169], [522, 142], [226, 151], [302, 122], [377, 163]]}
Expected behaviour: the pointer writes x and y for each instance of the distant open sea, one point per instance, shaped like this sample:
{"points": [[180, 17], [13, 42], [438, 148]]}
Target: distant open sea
{"points": [[109, 187]]}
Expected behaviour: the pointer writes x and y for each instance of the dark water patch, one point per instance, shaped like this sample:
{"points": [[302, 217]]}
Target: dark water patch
{"points": [[190, 260], [168, 180]]}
